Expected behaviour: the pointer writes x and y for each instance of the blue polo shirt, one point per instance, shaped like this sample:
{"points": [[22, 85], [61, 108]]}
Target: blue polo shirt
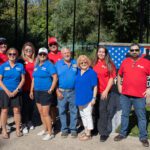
{"points": [[11, 77], [84, 86], [66, 75], [43, 76]]}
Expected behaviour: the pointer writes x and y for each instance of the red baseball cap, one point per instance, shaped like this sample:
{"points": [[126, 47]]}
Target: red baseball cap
{"points": [[52, 40]]}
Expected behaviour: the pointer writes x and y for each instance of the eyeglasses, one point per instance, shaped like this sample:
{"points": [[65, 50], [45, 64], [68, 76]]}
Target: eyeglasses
{"points": [[81, 63], [12, 54], [4, 46], [134, 50], [53, 44], [42, 54], [28, 50]]}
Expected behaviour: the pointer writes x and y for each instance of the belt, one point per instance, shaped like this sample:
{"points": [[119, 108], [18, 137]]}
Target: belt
{"points": [[65, 90]]}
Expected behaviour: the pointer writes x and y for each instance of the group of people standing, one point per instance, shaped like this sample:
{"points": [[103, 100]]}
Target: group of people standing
{"points": [[55, 79]]}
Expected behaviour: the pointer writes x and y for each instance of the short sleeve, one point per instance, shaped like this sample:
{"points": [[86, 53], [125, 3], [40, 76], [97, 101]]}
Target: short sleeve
{"points": [[113, 74], [51, 69], [22, 69], [93, 78], [120, 72], [149, 68], [1, 70]]}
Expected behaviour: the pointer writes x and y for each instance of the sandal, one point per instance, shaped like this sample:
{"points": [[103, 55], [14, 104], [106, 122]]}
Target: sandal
{"points": [[19, 134], [85, 137], [82, 134], [5, 136]]}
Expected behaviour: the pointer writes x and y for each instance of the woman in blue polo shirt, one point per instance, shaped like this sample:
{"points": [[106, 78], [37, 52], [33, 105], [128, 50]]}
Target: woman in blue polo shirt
{"points": [[85, 90], [11, 81], [43, 83]]}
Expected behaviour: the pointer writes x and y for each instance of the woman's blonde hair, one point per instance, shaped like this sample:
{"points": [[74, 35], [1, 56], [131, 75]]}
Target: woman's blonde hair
{"points": [[81, 57], [23, 49]]}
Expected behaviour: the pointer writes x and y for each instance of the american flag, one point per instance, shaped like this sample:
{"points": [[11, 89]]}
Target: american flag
{"points": [[119, 53]]}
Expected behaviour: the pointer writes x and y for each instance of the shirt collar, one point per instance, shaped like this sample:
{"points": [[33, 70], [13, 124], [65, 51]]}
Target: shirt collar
{"points": [[7, 63], [63, 62]]}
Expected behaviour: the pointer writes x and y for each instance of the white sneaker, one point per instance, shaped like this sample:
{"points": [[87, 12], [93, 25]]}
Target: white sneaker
{"points": [[8, 128], [48, 137], [43, 132], [31, 128], [30, 125], [25, 130]]}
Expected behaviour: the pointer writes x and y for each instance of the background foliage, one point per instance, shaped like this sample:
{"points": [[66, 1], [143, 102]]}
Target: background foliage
{"points": [[119, 21]]}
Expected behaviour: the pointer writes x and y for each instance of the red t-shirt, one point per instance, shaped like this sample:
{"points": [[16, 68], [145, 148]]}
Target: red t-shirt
{"points": [[54, 57], [29, 67], [3, 58], [103, 75], [134, 75]]}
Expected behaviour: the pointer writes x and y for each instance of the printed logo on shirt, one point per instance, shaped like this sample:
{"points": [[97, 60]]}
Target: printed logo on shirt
{"points": [[18, 69], [74, 67], [43, 68], [139, 66], [35, 69], [7, 68], [103, 66]]}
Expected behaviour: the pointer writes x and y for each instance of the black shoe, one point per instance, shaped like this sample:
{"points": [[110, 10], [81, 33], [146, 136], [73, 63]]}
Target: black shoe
{"points": [[103, 138], [145, 142], [64, 134], [119, 138], [74, 134]]}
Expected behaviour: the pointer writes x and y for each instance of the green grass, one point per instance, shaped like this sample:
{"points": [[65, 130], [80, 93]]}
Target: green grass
{"points": [[133, 128]]}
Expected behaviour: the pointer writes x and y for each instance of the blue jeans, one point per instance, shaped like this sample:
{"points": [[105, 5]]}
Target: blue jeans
{"points": [[139, 107], [68, 97]]}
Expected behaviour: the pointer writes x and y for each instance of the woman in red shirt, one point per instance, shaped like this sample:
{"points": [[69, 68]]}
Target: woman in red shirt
{"points": [[28, 57], [106, 72], [3, 58]]}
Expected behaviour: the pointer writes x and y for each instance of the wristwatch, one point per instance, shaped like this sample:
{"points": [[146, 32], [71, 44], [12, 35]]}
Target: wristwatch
{"points": [[18, 89]]}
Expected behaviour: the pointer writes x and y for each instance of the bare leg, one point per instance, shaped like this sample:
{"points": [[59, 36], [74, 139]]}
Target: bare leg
{"points": [[47, 118], [4, 116], [17, 118], [41, 115], [53, 112], [0, 120]]}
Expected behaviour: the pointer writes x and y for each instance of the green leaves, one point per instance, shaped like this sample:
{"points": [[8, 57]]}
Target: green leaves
{"points": [[119, 20]]}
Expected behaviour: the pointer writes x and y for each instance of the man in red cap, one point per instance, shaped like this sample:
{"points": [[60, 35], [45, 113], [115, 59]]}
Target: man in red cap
{"points": [[54, 54], [3, 49]]}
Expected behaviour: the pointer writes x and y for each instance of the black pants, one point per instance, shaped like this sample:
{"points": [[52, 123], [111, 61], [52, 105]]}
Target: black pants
{"points": [[28, 107], [107, 109]]}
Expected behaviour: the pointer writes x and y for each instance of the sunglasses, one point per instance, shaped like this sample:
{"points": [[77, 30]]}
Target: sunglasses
{"points": [[4, 46], [83, 63], [134, 50], [53, 44], [42, 54], [29, 50], [12, 54]]}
